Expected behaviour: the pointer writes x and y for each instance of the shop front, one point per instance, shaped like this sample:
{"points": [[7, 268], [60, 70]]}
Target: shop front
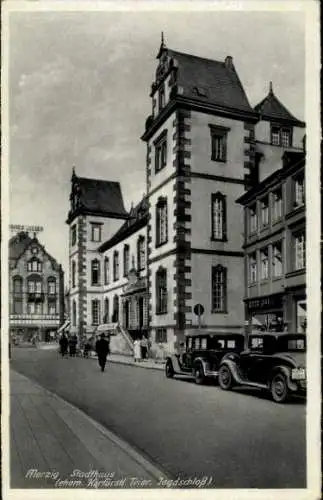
{"points": [[265, 313], [134, 306]]}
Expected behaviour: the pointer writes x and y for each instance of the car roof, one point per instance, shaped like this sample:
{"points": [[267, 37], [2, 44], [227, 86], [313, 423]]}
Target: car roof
{"points": [[212, 333]]}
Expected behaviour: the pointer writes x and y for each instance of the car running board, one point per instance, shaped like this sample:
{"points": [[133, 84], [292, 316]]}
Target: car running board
{"points": [[253, 384]]}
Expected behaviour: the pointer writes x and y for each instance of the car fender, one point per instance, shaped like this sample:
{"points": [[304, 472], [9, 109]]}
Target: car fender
{"points": [[175, 363], [203, 362], [235, 371], [286, 371]]}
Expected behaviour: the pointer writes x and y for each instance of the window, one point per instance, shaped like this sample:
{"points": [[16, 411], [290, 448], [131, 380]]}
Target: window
{"points": [[95, 272], [51, 286], [264, 267], [161, 336], [34, 286], [126, 260], [203, 343], [73, 235], [141, 253], [264, 211], [73, 273], [95, 312], [253, 267], [106, 271], [161, 291], [52, 307], [161, 151], [95, 232], [161, 222], [115, 266], [253, 221], [219, 143], [257, 343], [74, 313], [277, 259], [277, 205], [106, 310], [219, 289], [17, 285], [115, 314], [281, 136], [34, 265], [300, 251], [299, 191], [161, 98], [218, 201], [17, 306], [31, 308]]}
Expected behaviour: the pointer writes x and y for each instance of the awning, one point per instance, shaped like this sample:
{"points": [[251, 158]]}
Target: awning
{"points": [[107, 328], [64, 326]]}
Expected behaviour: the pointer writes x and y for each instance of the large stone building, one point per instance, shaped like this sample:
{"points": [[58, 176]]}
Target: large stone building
{"points": [[182, 245], [36, 289], [275, 249]]}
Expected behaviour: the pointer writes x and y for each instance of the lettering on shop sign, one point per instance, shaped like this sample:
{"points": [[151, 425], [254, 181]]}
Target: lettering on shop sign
{"points": [[265, 303]]}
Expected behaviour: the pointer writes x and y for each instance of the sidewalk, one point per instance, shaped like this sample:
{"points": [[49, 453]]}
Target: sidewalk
{"points": [[56, 445]]}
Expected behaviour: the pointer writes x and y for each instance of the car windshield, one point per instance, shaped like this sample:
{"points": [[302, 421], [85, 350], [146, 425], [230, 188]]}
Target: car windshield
{"points": [[288, 343]]}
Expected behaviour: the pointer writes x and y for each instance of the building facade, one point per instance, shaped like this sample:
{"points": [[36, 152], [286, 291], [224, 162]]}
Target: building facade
{"points": [[36, 289], [182, 245], [275, 249]]}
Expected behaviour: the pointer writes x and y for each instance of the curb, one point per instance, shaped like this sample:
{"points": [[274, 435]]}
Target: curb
{"points": [[136, 365], [135, 455]]}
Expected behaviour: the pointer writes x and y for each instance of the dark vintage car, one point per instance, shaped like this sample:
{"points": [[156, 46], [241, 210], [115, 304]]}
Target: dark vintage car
{"points": [[273, 361], [203, 353]]}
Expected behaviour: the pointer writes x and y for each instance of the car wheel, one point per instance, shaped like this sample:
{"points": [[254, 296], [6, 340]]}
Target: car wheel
{"points": [[199, 375], [225, 378], [169, 370], [278, 388]]}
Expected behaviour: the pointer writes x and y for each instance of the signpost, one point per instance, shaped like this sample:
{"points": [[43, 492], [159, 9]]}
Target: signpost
{"points": [[198, 311], [28, 229]]}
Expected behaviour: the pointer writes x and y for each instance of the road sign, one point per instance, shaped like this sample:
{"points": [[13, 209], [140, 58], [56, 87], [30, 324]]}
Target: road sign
{"points": [[198, 309]]}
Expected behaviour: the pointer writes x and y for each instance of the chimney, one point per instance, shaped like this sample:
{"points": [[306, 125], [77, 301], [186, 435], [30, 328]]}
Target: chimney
{"points": [[228, 62]]}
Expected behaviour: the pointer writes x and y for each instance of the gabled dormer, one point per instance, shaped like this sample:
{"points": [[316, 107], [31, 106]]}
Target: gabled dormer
{"points": [[280, 120]]}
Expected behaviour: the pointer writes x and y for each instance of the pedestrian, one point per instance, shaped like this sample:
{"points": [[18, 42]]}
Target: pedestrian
{"points": [[63, 343], [137, 350], [72, 345], [144, 347], [102, 348]]}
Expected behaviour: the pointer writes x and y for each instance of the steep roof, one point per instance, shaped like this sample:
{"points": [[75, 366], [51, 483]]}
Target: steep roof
{"points": [[18, 244], [210, 81], [270, 108], [137, 219], [101, 196]]}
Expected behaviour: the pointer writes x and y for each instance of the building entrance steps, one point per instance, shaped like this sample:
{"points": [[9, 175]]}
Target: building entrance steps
{"points": [[53, 444]]}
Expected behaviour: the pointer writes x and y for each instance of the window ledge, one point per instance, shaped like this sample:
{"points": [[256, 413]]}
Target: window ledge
{"points": [[218, 160], [157, 245], [225, 311], [224, 239], [159, 313], [296, 272]]}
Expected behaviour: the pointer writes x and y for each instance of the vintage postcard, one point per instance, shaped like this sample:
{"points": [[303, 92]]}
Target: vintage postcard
{"points": [[161, 250]]}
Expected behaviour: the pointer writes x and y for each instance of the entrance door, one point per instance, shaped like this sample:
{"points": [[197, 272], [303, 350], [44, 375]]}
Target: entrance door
{"points": [[126, 314], [141, 312]]}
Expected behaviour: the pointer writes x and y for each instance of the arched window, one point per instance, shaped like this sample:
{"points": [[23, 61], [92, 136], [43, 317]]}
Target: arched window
{"points": [[219, 289], [106, 271], [73, 273], [17, 285], [95, 272], [74, 313], [219, 217], [106, 310], [115, 266], [141, 253], [115, 314], [95, 312], [161, 291], [51, 286], [126, 260]]}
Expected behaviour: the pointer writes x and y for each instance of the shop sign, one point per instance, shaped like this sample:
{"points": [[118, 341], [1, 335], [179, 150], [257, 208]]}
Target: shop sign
{"points": [[266, 302]]}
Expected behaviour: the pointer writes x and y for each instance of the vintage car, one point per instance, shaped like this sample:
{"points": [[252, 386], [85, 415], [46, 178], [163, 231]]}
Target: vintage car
{"points": [[273, 361], [202, 355]]}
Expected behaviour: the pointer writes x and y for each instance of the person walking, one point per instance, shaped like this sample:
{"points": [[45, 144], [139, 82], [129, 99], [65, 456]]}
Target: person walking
{"points": [[72, 345], [63, 343], [144, 347], [102, 348], [137, 350]]}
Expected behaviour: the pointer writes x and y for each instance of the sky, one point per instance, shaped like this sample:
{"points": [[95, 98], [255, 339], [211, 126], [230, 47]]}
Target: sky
{"points": [[79, 85]]}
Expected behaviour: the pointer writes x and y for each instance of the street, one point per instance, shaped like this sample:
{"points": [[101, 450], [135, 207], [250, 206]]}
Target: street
{"points": [[240, 439]]}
